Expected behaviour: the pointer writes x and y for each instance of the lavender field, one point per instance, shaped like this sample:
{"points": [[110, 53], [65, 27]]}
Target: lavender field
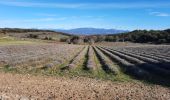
{"points": [[144, 62], [145, 66]]}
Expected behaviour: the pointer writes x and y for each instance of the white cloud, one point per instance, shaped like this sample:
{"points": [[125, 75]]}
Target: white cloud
{"points": [[161, 14], [36, 4], [33, 20], [88, 5]]}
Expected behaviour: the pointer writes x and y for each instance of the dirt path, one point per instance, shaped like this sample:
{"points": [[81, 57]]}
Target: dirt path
{"points": [[15, 86]]}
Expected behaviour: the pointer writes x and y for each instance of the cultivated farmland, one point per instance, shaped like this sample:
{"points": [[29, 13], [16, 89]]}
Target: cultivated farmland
{"points": [[137, 61], [149, 63]]}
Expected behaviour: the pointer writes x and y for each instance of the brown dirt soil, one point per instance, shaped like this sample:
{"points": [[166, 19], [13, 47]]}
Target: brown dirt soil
{"points": [[25, 87]]}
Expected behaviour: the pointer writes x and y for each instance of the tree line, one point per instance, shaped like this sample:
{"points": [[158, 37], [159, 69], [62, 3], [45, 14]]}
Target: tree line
{"points": [[136, 36], [142, 36]]}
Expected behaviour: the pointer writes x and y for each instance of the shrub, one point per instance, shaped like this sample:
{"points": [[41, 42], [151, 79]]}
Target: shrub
{"points": [[64, 40], [33, 36], [48, 38]]}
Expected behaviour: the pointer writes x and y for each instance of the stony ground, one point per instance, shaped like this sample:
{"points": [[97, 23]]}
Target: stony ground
{"points": [[25, 87]]}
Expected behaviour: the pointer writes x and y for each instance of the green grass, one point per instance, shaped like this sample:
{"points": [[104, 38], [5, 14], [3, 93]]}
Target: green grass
{"points": [[80, 71], [13, 41]]}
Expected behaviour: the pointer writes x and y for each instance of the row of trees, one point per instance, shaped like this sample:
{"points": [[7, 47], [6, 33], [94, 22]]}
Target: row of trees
{"points": [[35, 36], [137, 36], [142, 36], [83, 39]]}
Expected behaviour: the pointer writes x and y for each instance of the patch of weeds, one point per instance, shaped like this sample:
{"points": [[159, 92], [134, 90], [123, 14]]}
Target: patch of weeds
{"points": [[78, 72], [8, 68]]}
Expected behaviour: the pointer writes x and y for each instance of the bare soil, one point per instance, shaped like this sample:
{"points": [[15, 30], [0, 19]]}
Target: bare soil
{"points": [[25, 87]]}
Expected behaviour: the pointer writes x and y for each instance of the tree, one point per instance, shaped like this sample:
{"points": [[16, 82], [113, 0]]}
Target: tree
{"points": [[77, 40]]}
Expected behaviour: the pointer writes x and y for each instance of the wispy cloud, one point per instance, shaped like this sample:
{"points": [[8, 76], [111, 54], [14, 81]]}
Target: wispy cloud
{"points": [[49, 19], [32, 20], [37, 4], [161, 14], [88, 5]]}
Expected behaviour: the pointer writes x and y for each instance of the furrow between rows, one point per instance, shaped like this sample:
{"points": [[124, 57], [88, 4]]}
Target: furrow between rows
{"points": [[91, 65], [127, 66], [77, 60], [142, 64], [107, 64]]}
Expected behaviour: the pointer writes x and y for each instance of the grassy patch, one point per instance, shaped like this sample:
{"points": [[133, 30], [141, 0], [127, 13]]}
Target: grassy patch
{"points": [[8, 68], [56, 71], [13, 41]]}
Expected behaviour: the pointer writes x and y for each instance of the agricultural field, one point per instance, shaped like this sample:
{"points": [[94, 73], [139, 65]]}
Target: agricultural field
{"points": [[146, 66], [39, 35], [29, 34]]}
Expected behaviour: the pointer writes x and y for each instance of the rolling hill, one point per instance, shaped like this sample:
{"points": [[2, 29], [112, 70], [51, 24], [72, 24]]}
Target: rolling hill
{"points": [[91, 31], [33, 33]]}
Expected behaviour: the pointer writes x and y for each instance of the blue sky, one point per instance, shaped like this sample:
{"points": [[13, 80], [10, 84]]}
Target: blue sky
{"points": [[67, 14]]}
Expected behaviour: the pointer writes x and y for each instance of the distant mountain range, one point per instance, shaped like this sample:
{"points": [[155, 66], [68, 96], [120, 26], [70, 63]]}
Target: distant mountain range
{"points": [[91, 31]]}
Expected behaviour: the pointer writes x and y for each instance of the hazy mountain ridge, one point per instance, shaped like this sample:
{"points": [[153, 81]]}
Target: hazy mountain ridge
{"points": [[91, 31]]}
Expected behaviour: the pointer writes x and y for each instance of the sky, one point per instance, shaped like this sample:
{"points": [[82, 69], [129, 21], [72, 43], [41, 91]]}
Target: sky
{"points": [[69, 14]]}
